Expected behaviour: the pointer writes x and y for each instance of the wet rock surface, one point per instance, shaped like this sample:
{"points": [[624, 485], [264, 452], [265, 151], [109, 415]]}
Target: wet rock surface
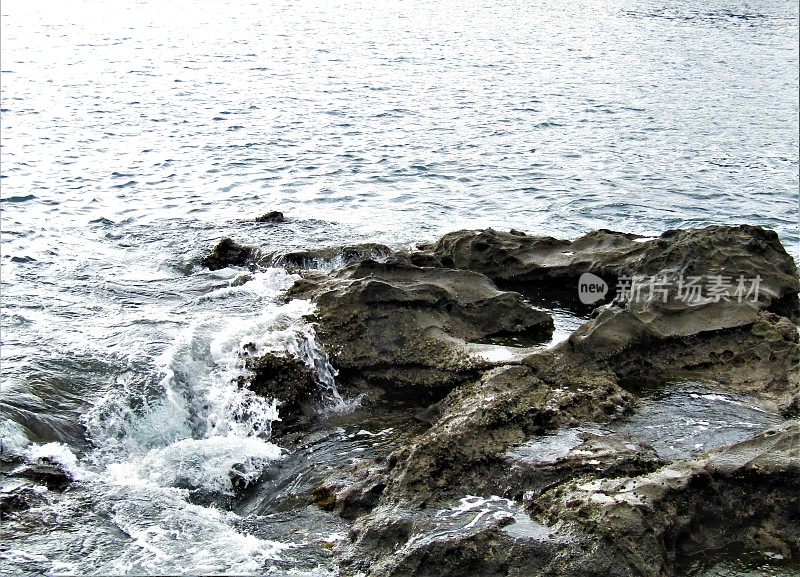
{"points": [[331, 257], [555, 460], [403, 327], [745, 494]]}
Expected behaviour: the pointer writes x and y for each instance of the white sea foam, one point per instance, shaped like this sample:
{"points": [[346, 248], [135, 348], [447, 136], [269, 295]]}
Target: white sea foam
{"points": [[167, 534], [57, 453], [211, 464]]}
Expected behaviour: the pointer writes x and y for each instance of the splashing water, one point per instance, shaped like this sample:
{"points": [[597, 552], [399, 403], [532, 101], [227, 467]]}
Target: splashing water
{"points": [[189, 430]]}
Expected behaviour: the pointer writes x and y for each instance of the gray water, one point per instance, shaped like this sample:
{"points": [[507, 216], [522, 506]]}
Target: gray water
{"points": [[136, 134]]}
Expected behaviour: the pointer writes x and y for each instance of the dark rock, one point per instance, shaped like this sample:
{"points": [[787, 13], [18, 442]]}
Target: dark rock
{"points": [[760, 357], [716, 250], [357, 499], [229, 253], [403, 327], [324, 497], [486, 537], [647, 524], [272, 216], [748, 343], [286, 379], [596, 455], [595, 518], [242, 279], [463, 452], [512, 257]]}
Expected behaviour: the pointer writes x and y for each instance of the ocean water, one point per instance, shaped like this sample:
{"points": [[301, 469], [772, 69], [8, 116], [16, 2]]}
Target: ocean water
{"points": [[135, 134]]}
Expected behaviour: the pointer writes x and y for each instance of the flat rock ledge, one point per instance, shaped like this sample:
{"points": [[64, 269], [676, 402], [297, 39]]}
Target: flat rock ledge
{"points": [[397, 326]]}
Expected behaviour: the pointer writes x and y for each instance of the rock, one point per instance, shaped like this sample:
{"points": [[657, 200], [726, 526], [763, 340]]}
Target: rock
{"points": [[324, 497], [761, 357], [595, 454], [272, 216], [510, 257], [286, 379], [652, 522], [471, 536], [459, 495], [229, 253], [655, 524], [46, 473], [403, 327], [242, 279], [18, 499], [463, 452], [746, 341], [731, 251]]}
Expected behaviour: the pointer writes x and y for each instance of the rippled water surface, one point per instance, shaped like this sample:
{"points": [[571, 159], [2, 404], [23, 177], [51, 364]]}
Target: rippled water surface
{"points": [[135, 134]]}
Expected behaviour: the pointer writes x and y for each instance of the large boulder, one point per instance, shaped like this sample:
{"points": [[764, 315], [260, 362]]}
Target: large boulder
{"points": [[717, 303], [404, 327], [729, 251], [519, 258]]}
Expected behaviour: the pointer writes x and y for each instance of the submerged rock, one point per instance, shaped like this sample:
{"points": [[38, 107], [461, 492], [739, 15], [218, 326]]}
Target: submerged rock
{"points": [[241, 280], [403, 327], [332, 257], [272, 216], [48, 473], [20, 498], [229, 253]]}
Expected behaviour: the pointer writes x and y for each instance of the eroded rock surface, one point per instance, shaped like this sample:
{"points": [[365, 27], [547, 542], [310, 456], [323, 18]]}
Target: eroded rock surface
{"points": [[745, 495], [403, 327], [742, 333], [715, 250]]}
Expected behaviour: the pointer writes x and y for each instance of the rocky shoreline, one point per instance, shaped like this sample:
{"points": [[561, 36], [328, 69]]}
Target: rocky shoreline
{"points": [[398, 326], [513, 454]]}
